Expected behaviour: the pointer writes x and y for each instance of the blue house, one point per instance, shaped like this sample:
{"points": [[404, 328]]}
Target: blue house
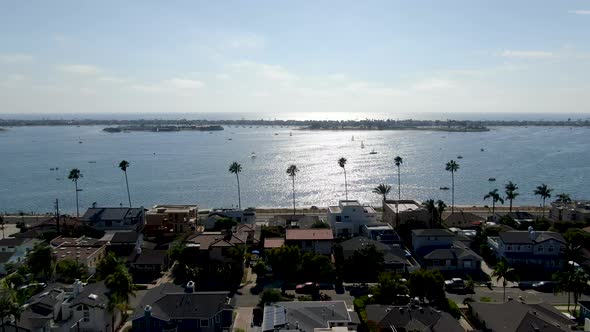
{"points": [[171, 308]]}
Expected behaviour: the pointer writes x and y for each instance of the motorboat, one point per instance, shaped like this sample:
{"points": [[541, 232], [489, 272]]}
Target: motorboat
{"points": [[373, 152], [444, 188]]}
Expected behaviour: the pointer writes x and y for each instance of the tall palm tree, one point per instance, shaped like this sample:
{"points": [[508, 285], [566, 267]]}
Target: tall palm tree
{"points": [[545, 192], [382, 189], [452, 167], [398, 162], [123, 165], [564, 198], [342, 163], [292, 171], [75, 175], [236, 168], [431, 207], [511, 193], [440, 208], [564, 285], [579, 284], [495, 196], [503, 271]]}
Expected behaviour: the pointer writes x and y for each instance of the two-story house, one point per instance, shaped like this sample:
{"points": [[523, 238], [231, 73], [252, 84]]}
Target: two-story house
{"points": [[114, 218], [171, 218], [241, 216], [216, 245], [14, 251], [383, 233], [405, 211], [530, 248], [442, 249], [318, 241], [168, 308], [84, 250], [349, 216]]}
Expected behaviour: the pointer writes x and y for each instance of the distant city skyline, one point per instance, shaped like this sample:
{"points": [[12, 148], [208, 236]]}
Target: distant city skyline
{"points": [[451, 57]]}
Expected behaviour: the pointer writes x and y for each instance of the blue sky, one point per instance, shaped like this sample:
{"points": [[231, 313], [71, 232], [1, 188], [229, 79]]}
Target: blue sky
{"points": [[273, 56]]}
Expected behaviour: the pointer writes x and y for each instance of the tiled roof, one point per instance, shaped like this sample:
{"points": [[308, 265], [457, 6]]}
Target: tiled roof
{"points": [[523, 237], [117, 213], [125, 237], [275, 242], [451, 253], [94, 295], [309, 234], [408, 318], [520, 317]]}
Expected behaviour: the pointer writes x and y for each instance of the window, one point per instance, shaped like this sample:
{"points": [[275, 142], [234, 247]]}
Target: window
{"points": [[204, 323], [338, 218], [550, 249], [217, 319], [86, 315], [509, 248], [540, 249]]}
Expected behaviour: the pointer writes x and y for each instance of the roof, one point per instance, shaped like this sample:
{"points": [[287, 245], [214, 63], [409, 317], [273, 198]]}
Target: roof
{"points": [[412, 318], [76, 253], [5, 256], [82, 241], [452, 253], [169, 301], [148, 257], [433, 232], [361, 242], [115, 213], [309, 234], [207, 240], [273, 242], [125, 237], [520, 317], [12, 241], [305, 315], [463, 219], [93, 295], [522, 237]]}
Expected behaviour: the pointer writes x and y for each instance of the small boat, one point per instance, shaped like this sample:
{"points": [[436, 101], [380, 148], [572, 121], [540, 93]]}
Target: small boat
{"points": [[52, 169], [444, 188], [290, 134], [492, 179], [229, 139], [459, 157], [362, 145], [92, 162], [253, 155], [80, 140], [481, 150], [276, 134], [352, 139], [373, 152]]}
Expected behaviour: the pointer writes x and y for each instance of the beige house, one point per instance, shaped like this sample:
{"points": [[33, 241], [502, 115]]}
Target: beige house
{"points": [[405, 211], [84, 250], [171, 218]]}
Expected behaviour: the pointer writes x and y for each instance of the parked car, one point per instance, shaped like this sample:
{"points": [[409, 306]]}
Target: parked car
{"points": [[307, 288], [544, 286], [455, 283]]}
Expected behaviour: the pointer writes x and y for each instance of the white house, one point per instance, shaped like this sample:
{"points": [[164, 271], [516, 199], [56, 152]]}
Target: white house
{"points": [[349, 216], [247, 216], [14, 251]]}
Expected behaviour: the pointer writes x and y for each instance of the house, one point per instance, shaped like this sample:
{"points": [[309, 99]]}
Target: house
{"points": [[456, 258], [84, 250], [426, 240], [318, 240], [171, 308], [307, 316], [41, 311], [252, 232], [349, 216], [405, 211], [216, 245], [294, 221], [572, 211], [247, 216], [273, 242], [463, 220], [584, 309], [544, 249], [124, 243], [519, 217], [89, 309], [395, 258], [514, 316], [114, 218], [14, 251], [383, 233], [411, 318], [171, 218], [148, 260]]}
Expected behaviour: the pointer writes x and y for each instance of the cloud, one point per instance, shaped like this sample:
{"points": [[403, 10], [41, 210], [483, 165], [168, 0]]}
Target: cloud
{"points": [[580, 12], [267, 71], [112, 79], [247, 41], [80, 69], [12, 58], [527, 54], [222, 77], [179, 83], [433, 83]]}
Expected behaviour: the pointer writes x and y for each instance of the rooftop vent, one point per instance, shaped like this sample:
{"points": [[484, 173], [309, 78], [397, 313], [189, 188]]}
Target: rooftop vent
{"points": [[93, 296]]}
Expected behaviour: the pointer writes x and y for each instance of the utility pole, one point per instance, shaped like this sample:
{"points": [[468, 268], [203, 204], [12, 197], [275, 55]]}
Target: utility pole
{"points": [[57, 214]]}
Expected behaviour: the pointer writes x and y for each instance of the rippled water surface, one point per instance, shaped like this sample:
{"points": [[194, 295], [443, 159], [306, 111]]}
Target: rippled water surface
{"points": [[191, 167]]}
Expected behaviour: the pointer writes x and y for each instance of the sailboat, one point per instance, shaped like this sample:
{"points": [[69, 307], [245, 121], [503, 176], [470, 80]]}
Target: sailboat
{"points": [[79, 140], [362, 145], [352, 139], [373, 152]]}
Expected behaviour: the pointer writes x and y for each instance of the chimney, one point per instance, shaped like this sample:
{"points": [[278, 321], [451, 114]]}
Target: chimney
{"points": [[94, 205], [190, 287], [138, 250], [147, 310], [78, 287]]}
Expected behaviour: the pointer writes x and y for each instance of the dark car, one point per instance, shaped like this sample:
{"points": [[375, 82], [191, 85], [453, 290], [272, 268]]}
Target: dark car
{"points": [[544, 286], [308, 288]]}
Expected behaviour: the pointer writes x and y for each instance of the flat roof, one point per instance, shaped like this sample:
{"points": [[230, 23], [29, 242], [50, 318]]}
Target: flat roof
{"points": [[309, 234], [404, 206], [76, 253]]}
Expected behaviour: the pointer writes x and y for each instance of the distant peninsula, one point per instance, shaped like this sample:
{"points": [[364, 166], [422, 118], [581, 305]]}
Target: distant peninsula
{"points": [[162, 125]]}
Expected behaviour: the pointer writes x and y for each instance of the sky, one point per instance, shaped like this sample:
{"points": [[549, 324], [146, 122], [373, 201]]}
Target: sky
{"points": [[295, 56]]}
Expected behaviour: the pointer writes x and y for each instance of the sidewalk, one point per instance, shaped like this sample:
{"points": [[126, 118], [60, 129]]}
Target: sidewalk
{"points": [[488, 270]]}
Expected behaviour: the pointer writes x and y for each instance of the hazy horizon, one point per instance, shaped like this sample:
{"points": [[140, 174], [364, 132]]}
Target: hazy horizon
{"points": [[372, 57]]}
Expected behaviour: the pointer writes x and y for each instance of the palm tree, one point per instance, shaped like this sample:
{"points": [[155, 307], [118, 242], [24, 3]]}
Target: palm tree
{"points": [[564, 198], [564, 285], [75, 175], [511, 193], [440, 208], [495, 196], [2, 225], [292, 171], [8, 306], [123, 165], [545, 192], [342, 163], [503, 271], [431, 207], [236, 168], [579, 284], [452, 167], [382, 189], [398, 162]]}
